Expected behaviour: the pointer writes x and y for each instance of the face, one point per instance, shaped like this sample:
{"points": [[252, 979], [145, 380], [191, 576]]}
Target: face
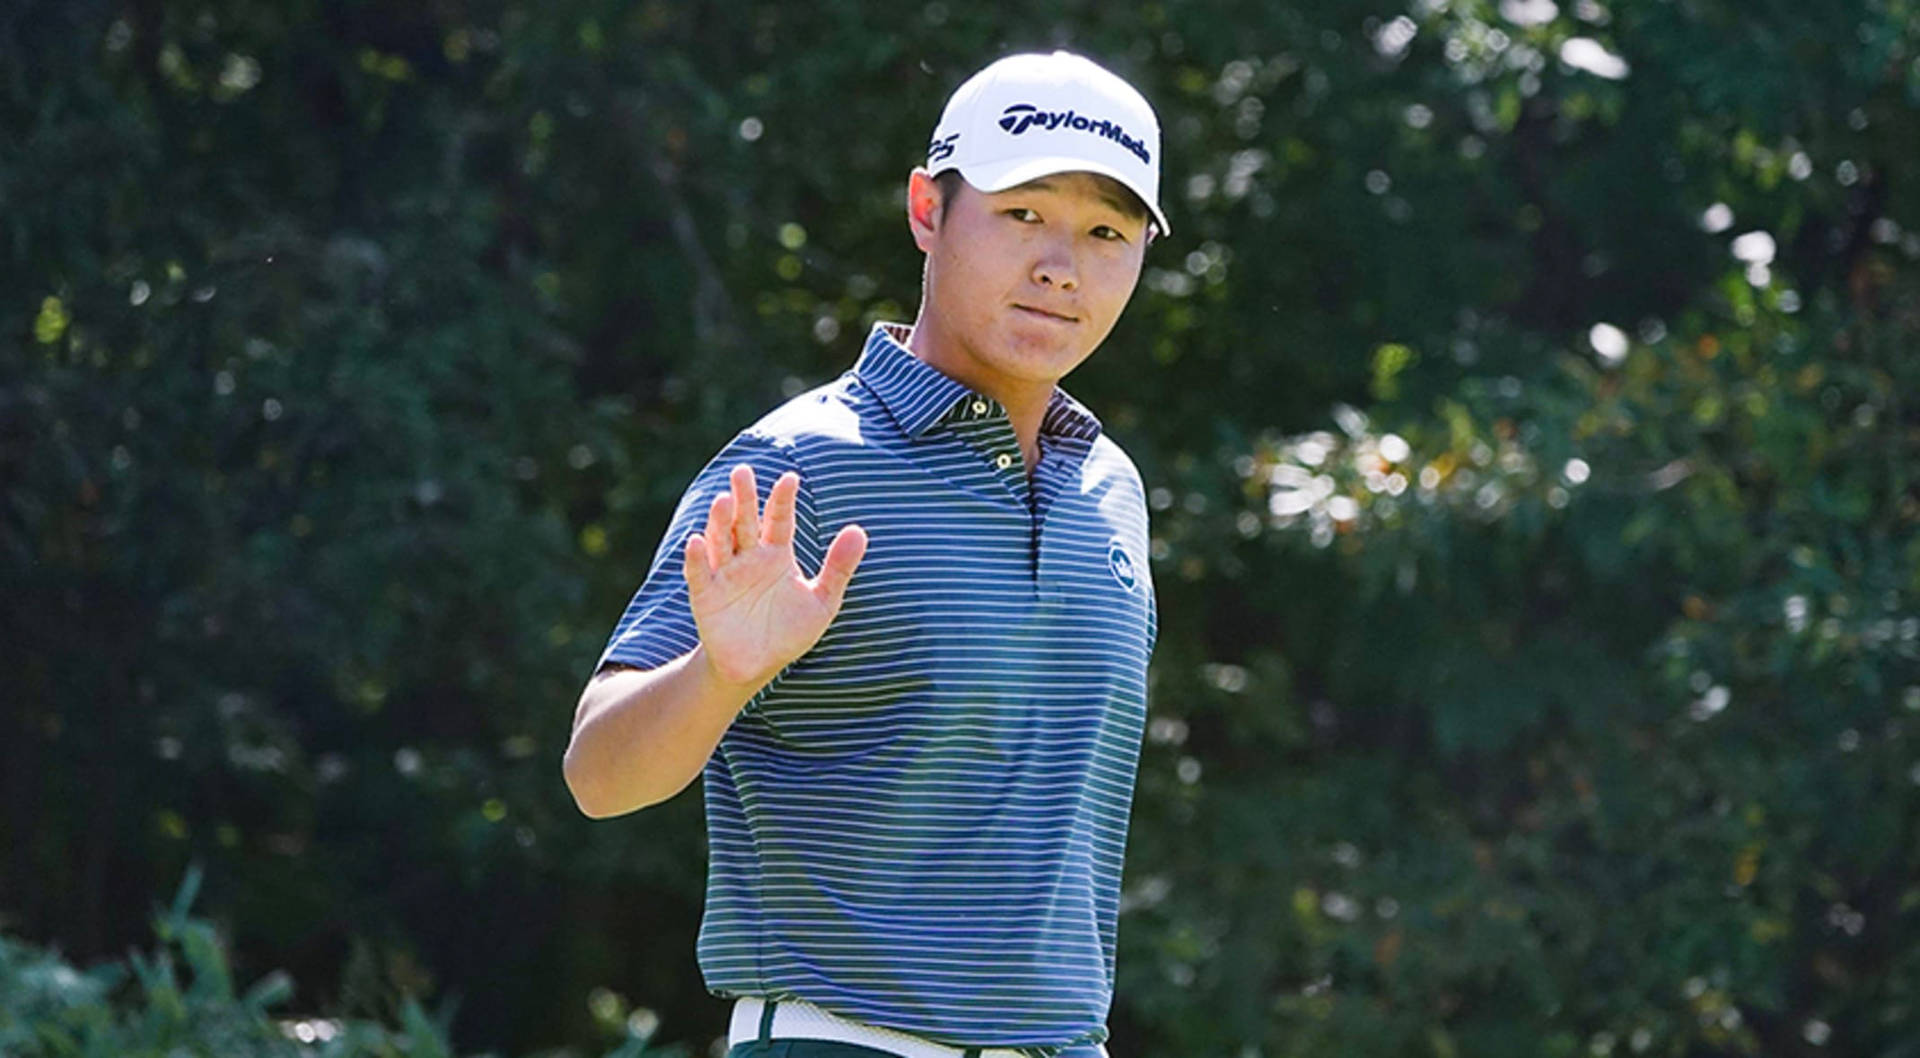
{"points": [[1022, 285]]}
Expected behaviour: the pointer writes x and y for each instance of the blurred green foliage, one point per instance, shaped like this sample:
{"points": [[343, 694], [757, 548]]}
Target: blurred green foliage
{"points": [[48, 1009], [1525, 397]]}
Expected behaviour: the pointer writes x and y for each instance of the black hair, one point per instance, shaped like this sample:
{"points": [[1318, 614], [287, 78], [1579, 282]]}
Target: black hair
{"points": [[948, 182]]}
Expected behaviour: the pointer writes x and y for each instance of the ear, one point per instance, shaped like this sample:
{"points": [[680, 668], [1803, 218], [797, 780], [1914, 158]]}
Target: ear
{"points": [[923, 208]]}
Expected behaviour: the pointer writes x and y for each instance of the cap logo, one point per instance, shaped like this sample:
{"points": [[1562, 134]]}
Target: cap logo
{"points": [[942, 146], [1020, 117]]}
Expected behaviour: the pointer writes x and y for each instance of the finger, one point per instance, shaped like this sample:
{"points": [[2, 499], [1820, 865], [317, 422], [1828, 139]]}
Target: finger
{"points": [[781, 500], [746, 506], [698, 564], [843, 557], [720, 528]]}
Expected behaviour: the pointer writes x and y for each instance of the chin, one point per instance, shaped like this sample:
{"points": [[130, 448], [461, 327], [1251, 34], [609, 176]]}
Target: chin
{"points": [[1044, 366]]}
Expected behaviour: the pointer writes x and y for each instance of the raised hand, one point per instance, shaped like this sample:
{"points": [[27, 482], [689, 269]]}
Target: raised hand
{"points": [[755, 610]]}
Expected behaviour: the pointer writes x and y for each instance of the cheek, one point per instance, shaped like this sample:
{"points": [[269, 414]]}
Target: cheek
{"points": [[985, 269], [1117, 279], [977, 282], [956, 263]]}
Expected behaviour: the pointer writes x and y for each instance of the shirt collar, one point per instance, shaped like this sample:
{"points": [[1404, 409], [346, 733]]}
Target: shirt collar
{"points": [[918, 395], [1067, 417]]}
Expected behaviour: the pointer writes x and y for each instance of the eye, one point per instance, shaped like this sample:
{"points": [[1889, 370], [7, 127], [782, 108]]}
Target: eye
{"points": [[1109, 233], [1023, 214]]}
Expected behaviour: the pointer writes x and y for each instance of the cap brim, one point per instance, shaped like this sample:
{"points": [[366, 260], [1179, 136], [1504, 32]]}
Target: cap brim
{"points": [[999, 176]]}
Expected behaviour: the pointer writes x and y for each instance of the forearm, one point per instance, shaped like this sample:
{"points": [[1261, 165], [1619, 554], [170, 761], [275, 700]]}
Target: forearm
{"points": [[639, 737]]}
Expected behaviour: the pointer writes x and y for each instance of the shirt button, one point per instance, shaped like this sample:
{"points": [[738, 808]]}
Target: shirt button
{"points": [[979, 407], [1003, 461]]}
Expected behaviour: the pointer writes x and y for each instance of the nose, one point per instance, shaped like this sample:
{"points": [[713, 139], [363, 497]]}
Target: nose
{"points": [[1054, 267]]}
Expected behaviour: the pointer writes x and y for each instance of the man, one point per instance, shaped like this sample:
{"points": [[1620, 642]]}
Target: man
{"points": [[917, 779]]}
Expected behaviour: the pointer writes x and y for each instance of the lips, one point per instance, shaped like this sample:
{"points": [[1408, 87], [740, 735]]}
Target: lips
{"points": [[1045, 315]]}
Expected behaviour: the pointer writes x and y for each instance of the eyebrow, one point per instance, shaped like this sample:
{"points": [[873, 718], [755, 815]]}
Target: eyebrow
{"points": [[1118, 205]]}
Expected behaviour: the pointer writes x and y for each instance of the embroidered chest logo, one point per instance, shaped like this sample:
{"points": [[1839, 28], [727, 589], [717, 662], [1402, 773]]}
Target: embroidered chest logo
{"points": [[1121, 564]]}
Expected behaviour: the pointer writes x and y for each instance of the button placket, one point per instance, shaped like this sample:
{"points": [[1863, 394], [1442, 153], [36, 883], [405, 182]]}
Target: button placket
{"points": [[1036, 539], [987, 430], [1057, 489]]}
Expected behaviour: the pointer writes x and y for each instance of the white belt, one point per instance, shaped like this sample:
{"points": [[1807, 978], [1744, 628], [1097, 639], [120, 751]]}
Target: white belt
{"points": [[795, 1019]]}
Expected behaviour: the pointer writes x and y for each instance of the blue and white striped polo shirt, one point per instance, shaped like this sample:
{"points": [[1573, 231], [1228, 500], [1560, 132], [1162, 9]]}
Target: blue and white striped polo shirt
{"points": [[920, 823]]}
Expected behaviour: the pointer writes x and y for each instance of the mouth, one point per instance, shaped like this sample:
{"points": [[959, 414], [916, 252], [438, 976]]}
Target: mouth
{"points": [[1054, 317]]}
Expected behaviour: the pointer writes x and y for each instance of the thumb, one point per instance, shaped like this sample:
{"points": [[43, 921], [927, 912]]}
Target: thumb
{"points": [[843, 557]]}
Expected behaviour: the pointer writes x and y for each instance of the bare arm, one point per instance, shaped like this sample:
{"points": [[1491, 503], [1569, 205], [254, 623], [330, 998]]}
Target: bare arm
{"points": [[640, 736]]}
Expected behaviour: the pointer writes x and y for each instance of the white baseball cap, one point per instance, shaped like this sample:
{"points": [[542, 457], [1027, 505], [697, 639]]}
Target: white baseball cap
{"points": [[1029, 116]]}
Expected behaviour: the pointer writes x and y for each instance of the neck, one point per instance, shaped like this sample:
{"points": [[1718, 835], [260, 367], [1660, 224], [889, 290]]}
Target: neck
{"points": [[1026, 401]]}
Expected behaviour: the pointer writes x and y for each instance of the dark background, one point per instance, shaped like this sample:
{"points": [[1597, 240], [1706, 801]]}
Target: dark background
{"points": [[1534, 540]]}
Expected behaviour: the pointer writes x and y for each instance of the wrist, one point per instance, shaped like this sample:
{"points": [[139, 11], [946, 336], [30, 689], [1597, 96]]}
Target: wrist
{"points": [[732, 687]]}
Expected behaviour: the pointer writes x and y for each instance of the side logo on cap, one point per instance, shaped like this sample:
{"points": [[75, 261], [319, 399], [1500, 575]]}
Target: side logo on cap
{"points": [[1020, 117], [942, 146]]}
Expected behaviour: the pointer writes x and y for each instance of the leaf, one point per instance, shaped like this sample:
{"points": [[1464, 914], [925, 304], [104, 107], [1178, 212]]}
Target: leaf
{"points": [[212, 980], [272, 990], [422, 1035]]}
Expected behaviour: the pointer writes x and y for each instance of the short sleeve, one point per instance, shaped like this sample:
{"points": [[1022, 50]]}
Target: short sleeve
{"points": [[1153, 617], [658, 625]]}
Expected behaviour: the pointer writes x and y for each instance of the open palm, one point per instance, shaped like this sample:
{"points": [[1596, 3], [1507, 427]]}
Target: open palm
{"points": [[755, 609]]}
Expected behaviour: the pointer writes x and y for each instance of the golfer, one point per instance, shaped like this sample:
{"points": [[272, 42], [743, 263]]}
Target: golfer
{"points": [[901, 625]]}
